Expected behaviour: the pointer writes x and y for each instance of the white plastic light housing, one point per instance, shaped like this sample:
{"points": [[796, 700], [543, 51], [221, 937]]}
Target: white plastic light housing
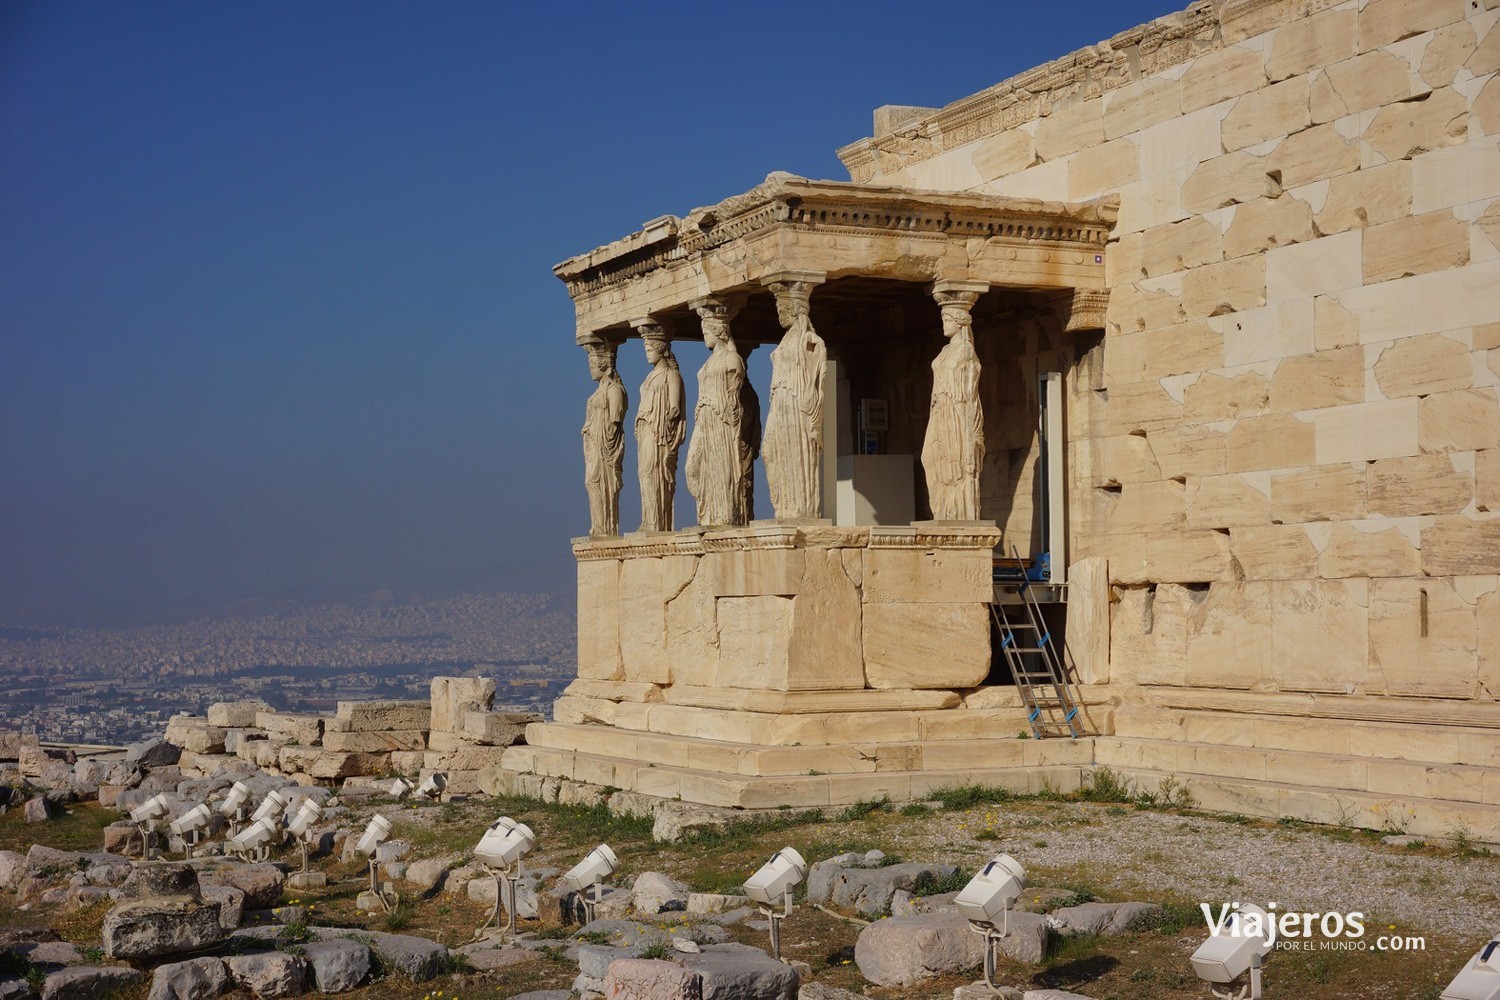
{"points": [[432, 786], [598, 866], [375, 834], [1226, 956], [194, 819], [309, 813], [253, 837], [1480, 978], [153, 808], [238, 795], [400, 787], [271, 807], [783, 873], [992, 891], [504, 843]]}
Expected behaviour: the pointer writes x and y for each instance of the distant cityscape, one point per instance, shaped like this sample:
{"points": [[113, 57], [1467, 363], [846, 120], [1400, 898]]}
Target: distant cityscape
{"points": [[114, 686]]}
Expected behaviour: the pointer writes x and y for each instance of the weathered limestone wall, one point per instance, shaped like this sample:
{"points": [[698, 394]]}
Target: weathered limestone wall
{"points": [[783, 608], [1286, 450]]}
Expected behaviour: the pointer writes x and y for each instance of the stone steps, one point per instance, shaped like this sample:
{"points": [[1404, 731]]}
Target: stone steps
{"points": [[1414, 741], [772, 791], [723, 757], [1424, 817]]}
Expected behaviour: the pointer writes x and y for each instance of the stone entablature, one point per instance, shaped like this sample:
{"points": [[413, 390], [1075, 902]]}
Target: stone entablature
{"points": [[835, 228]]}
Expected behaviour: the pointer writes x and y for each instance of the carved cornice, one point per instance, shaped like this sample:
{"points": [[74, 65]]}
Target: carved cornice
{"points": [[936, 535], [835, 206], [1086, 309]]}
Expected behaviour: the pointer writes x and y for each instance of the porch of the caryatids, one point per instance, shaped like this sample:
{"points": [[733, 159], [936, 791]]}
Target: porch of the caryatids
{"points": [[716, 466], [660, 427], [604, 438], [953, 447], [793, 445]]}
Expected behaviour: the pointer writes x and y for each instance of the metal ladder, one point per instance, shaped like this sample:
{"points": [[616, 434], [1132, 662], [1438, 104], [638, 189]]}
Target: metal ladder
{"points": [[1037, 666]]}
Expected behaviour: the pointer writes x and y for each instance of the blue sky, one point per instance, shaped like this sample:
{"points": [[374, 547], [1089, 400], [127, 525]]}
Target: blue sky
{"points": [[277, 314]]}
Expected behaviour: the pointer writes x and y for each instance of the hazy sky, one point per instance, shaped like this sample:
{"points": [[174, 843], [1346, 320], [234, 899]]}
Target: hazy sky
{"points": [[277, 314]]}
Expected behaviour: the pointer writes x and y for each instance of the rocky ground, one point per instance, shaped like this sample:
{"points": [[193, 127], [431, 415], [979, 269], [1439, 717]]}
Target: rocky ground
{"points": [[1111, 912]]}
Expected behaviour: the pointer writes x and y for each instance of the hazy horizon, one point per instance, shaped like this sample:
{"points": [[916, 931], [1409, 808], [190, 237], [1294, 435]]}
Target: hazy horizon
{"points": [[276, 294]]}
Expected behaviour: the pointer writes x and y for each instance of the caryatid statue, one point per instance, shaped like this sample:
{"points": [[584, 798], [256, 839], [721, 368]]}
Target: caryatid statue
{"points": [[749, 434], [604, 439], [953, 449], [660, 427], [793, 448], [715, 467]]}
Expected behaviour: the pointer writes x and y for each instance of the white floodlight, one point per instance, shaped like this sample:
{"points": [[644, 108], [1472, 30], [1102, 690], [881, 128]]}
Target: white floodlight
{"points": [[1241, 946], [375, 834], [432, 786], [151, 809], [774, 884], [271, 807], [501, 851], [308, 814], [400, 787], [190, 826], [986, 902], [255, 839], [235, 800], [301, 827], [592, 871], [1480, 978], [145, 816]]}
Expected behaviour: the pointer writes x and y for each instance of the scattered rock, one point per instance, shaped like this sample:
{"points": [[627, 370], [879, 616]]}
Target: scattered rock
{"points": [[51, 954], [122, 838], [656, 893], [231, 900], [261, 883], [168, 924], [1107, 919], [195, 979], [543, 995], [651, 979], [269, 973], [900, 951], [869, 890], [493, 959], [1402, 840], [1052, 995], [39, 810], [713, 902], [86, 982], [740, 972], [152, 879], [818, 991], [428, 875], [675, 820], [12, 869], [14, 989], [152, 753], [337, 965], [622, 933], [416, 957]]}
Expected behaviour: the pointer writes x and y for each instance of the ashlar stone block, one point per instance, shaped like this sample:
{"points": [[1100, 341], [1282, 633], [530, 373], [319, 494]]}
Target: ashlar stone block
{"points": [[824, 647], [1364, 432], [1487, 479], [1140, 104], [1419, 366], [1422, 484], [1218, 76], [1314, 154], [1227, 180], [1214, 397], [1278, 110], [1304, 44], [1324, 378], [1445, 55], [1370, 80], [1409, 128], [1180, 246], [1328, 492], [1382, 22], [1225, 501], [1228, 286], [1366, 197], [598, 620], [1423, 639], [1070, 129], [1455, 545], [1272, 441], [909, 575], [1099, 169], [1265, 223], [1229, 637], [753, 636], [1319, 634], [643, 622], [926, 645], [1417, 244], [1355, 550], [1274, 552]]}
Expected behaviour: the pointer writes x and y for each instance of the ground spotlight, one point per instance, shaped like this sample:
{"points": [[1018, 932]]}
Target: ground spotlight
{"points": [[501, 851], [773, 885], [254, 841], [190, 826], [1480, 978], [592, 871], [1240, 947], [986, 902], [432, 786], [234, 806], [145, 816], [376, 833]]}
